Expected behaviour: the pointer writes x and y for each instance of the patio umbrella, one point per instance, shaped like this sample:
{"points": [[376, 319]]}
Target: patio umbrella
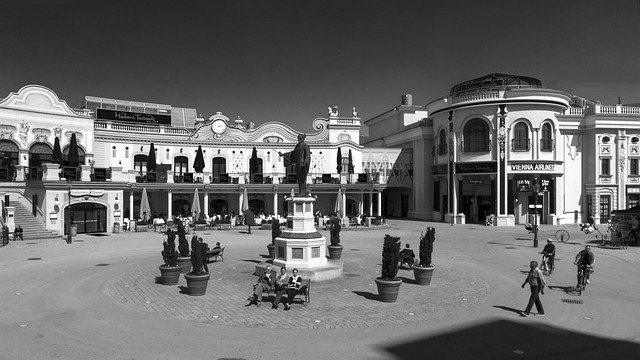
{"points": [[151, 160], [245, 201], [145, 208], [253, 162], [57, 152], [198, 163], [195, 205], [338, 207], [339, 161], [351, 167], [73, 156]]}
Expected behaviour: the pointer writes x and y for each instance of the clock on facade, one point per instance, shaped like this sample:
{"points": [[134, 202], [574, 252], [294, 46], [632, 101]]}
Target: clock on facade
{"points": [[219, 126]]}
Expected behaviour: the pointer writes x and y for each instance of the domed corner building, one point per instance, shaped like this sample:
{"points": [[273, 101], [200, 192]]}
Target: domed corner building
{"points": [[136, 161], [478, 154]]}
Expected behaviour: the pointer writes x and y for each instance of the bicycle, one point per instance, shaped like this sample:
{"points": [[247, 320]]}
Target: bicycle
{"points": [[562, 235], [546, 267], [582, 278]]}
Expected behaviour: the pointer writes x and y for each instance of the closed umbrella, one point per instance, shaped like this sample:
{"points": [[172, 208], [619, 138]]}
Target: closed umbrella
{"points": [[145, 208], [195, 205], [339, 161], [253, 162], [73, 157], [57, 152], [198, 163], [245, 201], [338, 206], [151, 160]]}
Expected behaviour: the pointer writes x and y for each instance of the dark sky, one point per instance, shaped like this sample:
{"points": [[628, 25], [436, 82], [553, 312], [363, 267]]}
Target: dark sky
{"points": [[269, 60]]}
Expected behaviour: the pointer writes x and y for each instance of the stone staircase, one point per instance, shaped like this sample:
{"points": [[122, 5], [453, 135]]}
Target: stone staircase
{"points": [[33, 229]]}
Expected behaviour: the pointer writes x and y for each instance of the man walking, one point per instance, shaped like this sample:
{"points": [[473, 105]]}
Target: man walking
{"points": [[537, 283]]}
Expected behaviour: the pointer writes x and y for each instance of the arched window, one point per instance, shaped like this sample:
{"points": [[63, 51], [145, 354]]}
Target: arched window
{"points": [[442, 142], [40, 153], [8, 159], [180, 165], [520, 141], [219, 166], [476, 136], [546, 141], [344, 137], [140, 163], [65, 156]]}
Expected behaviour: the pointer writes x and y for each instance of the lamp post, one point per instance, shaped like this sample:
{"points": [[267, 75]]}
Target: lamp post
{"points": [[70, 217], [535, 188]]}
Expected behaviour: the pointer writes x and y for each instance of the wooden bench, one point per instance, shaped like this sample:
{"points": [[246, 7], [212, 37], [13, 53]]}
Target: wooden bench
{"points": [[305, 296], [215, 254]]}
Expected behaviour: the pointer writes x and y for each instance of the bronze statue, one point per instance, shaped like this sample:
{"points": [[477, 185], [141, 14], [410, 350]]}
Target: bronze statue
{"points": [[300, 157]]}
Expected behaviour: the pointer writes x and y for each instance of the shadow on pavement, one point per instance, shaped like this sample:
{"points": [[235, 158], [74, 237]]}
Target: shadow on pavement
{"points": [[506, 339], [506, 308], [184, 289], [407, 280], [366, 295]]}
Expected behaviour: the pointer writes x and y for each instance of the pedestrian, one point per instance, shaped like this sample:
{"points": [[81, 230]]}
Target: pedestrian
{"points": [[537, 283]]}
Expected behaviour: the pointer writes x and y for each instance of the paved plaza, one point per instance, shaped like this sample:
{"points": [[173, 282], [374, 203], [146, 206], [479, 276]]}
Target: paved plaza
{"points": [[100, 298]]}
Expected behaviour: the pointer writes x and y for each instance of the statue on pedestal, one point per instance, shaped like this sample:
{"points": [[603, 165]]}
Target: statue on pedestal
{"points": [[300, 157]]}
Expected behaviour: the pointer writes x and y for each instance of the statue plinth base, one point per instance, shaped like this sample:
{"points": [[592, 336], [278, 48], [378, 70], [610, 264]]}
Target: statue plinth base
{"points": [[300, 245]]}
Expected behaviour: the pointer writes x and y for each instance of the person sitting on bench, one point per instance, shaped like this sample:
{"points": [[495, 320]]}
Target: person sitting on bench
{"points": [[264, 284], [295, 282], [17, 233], [408, 256]]}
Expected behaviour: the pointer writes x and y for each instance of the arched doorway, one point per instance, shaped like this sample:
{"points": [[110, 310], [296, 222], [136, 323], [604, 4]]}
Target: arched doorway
{"points": [[181, 207], [218, 207], [257, 206], [89, 217]]}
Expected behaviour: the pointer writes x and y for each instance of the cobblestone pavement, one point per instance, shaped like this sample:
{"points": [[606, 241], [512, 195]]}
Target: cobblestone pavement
{"points": [[349, 302]]}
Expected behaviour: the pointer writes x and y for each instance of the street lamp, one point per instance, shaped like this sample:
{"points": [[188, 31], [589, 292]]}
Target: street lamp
{"points": [[70, 217], [536, 189]]}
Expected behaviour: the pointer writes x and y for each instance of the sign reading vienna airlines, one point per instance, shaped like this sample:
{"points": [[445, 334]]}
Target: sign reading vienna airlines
{"points": [[532, 167], [127, 116]]}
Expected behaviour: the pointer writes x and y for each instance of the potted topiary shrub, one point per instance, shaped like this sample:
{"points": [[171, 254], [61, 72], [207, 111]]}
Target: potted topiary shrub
{"points": [[198, 278], [170, 270], [335, 249], [424, 270], [389, 283], [275, 232], [183, 249]]}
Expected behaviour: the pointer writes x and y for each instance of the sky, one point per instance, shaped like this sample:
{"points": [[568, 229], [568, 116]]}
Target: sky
{"points": [[288, 61]]}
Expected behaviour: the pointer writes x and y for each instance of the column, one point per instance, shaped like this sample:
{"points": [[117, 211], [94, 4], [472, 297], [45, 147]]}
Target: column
{"points": [[131, 204], [371, 203], [379, 202], [170, 205], [343, 200], [361, 203], [275, 202], [206, 200]]}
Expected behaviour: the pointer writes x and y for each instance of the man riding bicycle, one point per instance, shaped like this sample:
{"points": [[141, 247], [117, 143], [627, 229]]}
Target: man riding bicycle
{"points": [[584, 261], [550, 252]]}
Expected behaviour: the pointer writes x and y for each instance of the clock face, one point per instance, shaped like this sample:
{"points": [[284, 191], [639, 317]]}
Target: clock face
{"points": [[219, 126]]}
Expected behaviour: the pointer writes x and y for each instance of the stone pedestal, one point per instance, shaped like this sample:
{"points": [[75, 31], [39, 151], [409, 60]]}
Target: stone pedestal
{"points": [[300, 245]]}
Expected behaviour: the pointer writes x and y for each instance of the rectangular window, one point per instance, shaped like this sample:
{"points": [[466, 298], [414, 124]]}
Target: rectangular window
{"points": [[605, 208], [605, 164], [296, 253], [633, 167]]}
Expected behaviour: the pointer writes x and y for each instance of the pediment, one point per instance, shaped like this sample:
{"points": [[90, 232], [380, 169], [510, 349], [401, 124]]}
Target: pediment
{"points": [[39, 99]]}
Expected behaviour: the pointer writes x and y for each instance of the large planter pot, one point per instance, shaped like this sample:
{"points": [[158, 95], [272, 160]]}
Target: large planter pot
{"points": [[423, 274], [388, 290], [197, 284], [185, 262], [335, 252], [272, 250], [170, 274]]}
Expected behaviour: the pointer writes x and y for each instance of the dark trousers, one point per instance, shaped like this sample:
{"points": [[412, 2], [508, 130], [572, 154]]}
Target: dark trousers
{"points": [[534, 299], [279, 293]]}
